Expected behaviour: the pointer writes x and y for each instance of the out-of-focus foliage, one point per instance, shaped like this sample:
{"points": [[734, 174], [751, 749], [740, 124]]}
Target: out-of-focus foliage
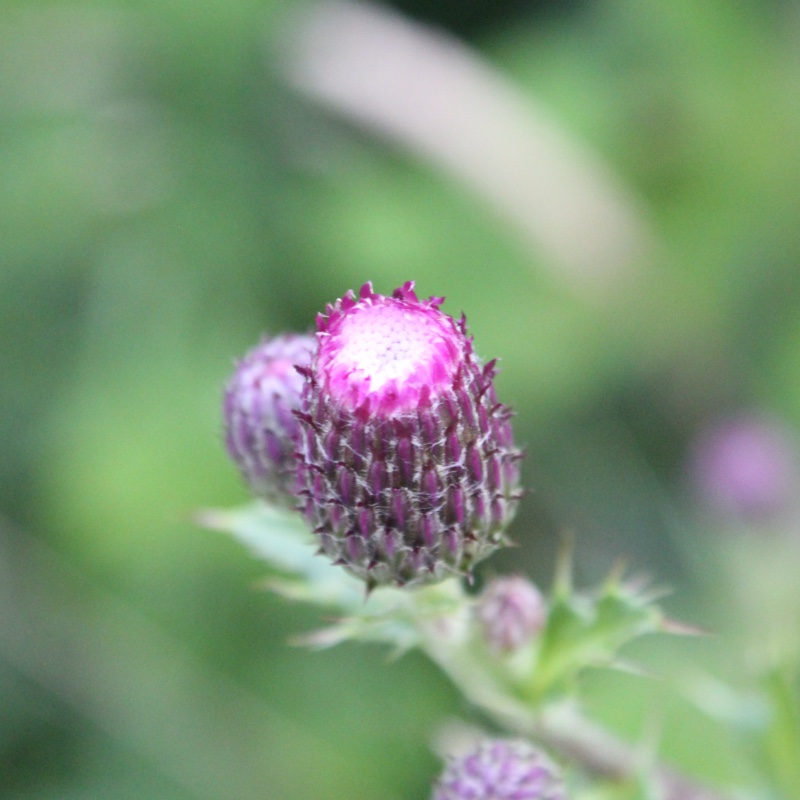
{"points": [[529, 689], [165, 199]]}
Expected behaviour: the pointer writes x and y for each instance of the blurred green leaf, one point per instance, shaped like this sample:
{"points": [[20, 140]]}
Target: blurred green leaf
{"points": [[588, 629], [780, 741]]}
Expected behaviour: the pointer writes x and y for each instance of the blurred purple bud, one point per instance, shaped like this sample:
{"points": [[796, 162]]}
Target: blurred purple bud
{"points": [[260, 402], [746, 466], [407, 464], [500, 769], [510, 611]]}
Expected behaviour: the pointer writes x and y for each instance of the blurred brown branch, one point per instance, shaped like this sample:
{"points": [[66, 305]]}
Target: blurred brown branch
{"points": [[433, 95]]}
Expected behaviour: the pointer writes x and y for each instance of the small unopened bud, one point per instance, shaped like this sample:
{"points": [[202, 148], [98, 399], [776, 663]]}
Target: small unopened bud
{"points": [[260, 401], [500, 769], [510, 611], [407, 463]]}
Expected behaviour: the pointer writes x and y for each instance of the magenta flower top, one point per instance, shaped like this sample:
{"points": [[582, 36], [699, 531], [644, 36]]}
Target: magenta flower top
{"points": [[388, 355]]}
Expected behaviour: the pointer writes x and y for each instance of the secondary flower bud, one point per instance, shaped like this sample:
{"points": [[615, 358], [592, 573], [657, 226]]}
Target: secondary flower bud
{"points": [[500, 769], [407, 464], [746, 467], [511, 611], [258, 410]]}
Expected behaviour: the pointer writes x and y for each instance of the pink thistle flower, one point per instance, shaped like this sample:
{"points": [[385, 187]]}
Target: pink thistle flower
{"points": [[406, 461]]}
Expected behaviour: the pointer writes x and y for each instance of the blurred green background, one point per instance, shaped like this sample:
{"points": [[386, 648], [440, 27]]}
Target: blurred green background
{"points": [[166, 197]]}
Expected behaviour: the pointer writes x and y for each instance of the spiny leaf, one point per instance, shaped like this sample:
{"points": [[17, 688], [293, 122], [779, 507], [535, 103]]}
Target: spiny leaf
{"points": [[588, 629], [282, 539]]}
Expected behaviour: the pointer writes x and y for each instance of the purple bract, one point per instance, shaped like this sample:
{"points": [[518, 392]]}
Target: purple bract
{"points": [[406, 461], [500, 769]]}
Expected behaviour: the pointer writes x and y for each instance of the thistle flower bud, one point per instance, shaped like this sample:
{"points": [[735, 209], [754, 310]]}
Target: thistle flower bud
{"points": [[746, 467], [510, 611], [406, 461], [258, 410], [500, 769]]}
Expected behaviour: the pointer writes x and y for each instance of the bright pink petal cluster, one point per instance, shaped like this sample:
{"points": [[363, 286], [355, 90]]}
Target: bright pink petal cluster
{"points": [[388, 355]]}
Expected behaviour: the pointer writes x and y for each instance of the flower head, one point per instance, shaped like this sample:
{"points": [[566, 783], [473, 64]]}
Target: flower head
{"points": [[510, 611], [258, 410], [406, 460], [746, 466], [500, 769]]}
